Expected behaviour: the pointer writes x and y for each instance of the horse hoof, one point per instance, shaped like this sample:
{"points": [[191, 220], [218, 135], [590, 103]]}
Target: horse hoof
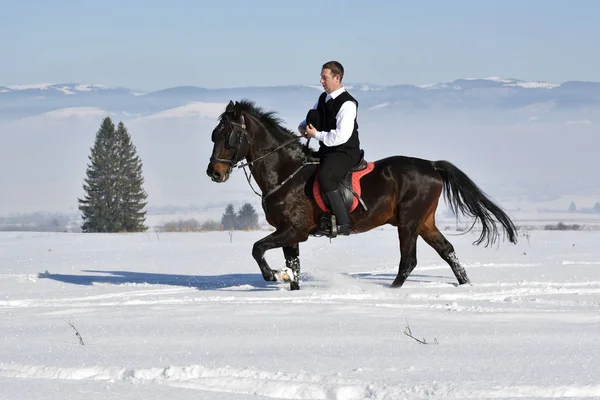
{"points": [[294, 285], [395, 284], [269, 277], [285, 275]]}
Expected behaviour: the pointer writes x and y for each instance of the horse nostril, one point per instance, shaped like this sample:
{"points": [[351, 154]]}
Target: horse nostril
{"points": [[211, 172]]}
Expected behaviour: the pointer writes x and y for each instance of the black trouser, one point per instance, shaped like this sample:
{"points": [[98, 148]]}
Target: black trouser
{"points": [[334, 166]]}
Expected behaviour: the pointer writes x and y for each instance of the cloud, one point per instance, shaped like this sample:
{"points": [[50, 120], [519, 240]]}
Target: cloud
{"points": [[579, 122]]}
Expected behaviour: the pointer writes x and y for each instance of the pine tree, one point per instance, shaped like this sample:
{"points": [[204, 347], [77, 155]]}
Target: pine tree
{"points": [[96, 204], [130, 191], [247, 217], [597, 207], [229, 219], [114, 196]]}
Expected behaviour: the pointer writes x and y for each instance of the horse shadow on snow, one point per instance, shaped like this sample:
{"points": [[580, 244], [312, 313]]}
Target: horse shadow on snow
{"points": [[232, 282], [243, 282]]}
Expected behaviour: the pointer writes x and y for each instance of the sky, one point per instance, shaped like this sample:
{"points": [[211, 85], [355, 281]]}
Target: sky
{"points": [[151, 45]]}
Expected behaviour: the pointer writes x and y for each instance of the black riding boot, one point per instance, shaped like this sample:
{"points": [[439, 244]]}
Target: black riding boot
{"points": [[336, 203]]}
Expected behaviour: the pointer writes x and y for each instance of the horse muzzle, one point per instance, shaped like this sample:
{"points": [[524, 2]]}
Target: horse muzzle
{"points": [[218, 172]]}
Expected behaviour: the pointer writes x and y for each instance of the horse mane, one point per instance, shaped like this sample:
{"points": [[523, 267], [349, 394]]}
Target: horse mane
{"points": [[274, 125]]}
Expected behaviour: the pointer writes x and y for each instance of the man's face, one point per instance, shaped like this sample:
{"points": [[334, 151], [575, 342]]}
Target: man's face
{"points": [[329, 81]]}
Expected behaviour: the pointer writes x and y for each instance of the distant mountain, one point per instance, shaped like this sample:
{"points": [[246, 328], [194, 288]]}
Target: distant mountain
{"points": [[471, 83], [493, 94], [513, 137], [57, 89]]}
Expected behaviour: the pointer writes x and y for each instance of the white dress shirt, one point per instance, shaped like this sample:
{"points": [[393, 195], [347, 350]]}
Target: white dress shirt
{"points": [[344, 122]]}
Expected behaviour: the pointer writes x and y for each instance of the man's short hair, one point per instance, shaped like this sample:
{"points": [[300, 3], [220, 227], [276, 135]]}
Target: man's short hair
{"points": [[335, 67]]}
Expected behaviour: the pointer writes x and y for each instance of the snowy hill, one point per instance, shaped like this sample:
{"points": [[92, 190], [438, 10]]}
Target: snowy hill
{"points": [[468, 94], [49, 89], [209, 111], [471, 83]]}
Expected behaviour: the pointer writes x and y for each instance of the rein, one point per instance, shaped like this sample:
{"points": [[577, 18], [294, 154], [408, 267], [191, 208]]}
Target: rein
{"points": [[243, 165], [276, 188]]}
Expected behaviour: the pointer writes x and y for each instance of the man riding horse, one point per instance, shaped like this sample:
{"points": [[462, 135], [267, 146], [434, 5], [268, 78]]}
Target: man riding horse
{"points": [[400, 191], [337, 134]]}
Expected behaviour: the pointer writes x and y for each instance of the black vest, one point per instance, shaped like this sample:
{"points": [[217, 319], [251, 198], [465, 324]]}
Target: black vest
{"points": [[327, 120]]}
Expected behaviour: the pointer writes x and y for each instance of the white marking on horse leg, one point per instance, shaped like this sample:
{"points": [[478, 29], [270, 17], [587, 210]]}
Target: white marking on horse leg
{"points": [[284, 275]]}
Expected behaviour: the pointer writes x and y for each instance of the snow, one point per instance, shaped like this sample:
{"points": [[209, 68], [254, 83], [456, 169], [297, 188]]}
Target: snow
{"points": [[363, 87], [535, 85], [39, 86], [65, 90], [188, 315], [380, 105], [427, 85], [492, 78], [318, 87], [71, 112], [519, 83], [190, 110], [438, 86], [89, 87], [366, 88], [504, 81]]}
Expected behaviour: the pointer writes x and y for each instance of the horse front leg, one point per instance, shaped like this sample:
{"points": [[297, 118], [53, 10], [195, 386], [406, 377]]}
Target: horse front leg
{"points": [[292, 262], [279, 238]]}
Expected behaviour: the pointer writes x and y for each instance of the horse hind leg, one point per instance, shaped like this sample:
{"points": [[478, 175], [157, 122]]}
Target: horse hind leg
{"points": [[433, 237]]}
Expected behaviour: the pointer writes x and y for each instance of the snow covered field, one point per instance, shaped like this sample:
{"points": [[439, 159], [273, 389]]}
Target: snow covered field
{"points": [[180, 316]]}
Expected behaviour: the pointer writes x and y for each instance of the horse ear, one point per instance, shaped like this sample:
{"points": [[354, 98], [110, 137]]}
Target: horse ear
{"points": [[230, 107], [237, 110]]}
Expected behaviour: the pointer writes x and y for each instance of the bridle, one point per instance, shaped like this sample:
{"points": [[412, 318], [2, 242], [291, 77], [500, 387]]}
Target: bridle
{"points": [[235, 140]]}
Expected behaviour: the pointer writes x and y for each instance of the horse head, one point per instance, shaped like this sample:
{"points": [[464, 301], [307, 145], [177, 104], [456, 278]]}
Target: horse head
{"points": [[231, 143]]}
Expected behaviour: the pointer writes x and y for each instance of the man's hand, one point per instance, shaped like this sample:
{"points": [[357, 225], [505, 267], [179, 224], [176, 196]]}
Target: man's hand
{"points": [[302, 129], [311, 131]]}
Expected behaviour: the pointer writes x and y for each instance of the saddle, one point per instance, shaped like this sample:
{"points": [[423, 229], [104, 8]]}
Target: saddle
{"points": [[349, 186]]}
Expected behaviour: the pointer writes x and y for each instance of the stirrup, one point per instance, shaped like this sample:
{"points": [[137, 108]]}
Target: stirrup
{"points": [[329, 227], [334, 229], [323, 228], [326, 227]]}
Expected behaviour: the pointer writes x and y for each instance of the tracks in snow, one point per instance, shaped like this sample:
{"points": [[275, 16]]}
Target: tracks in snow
{"points": [[284, 385], [504, 298]]}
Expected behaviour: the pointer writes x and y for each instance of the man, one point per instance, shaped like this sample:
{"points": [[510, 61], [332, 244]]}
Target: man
{"points": [[339, 148]]}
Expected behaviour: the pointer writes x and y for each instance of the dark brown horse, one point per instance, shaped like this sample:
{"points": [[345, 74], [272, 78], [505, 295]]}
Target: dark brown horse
{"points": [[400, 191]]}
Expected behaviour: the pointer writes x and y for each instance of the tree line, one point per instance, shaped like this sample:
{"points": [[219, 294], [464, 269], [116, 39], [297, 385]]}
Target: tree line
{"points": [[245, 218]]}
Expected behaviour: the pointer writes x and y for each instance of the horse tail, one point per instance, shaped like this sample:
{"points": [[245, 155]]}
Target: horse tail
{"points": [[463, 195]]}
